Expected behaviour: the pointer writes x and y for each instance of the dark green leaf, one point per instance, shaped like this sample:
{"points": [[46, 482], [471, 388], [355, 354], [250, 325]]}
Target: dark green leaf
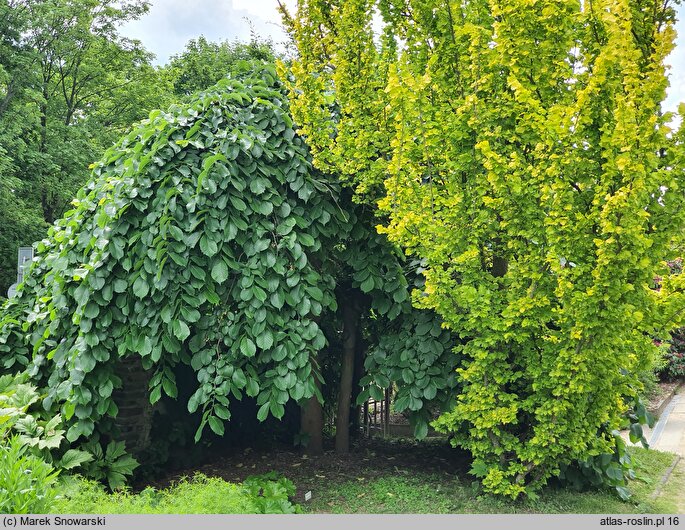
{"points": [[193, 402], [277, 409], [238, 378], [169, 388], [276, 300], [140, 287], [623, 493], [120, 285], [263, 411], [155, 395], [212, 297], [614, 472], [252, 388], [181, 330], [222, 411], [216, 425], [208, 246], [247, 347], [367, 285], [265, 340], [635, 432], [420, 430], [220, 271], [430, 391]]}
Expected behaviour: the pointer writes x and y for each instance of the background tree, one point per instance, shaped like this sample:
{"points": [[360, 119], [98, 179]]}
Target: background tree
{"points": [[22, 223], [69, 85], [524, 157], [202, 63]]}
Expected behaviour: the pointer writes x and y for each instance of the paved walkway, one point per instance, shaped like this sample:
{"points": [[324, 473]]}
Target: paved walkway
{"points": [[669, 432]]}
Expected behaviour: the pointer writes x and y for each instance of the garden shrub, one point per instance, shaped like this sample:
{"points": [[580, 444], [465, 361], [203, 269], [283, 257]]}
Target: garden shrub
{"points": [[111, 465], [674, 356], [271, 493], [38, 430], [32, 449]]}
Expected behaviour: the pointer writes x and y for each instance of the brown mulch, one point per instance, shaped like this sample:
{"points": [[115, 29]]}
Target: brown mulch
{"points": [[663, 392], [368, 458]]}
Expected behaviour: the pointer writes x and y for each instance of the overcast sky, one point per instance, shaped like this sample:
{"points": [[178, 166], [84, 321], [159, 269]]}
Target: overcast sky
{"points": [[171, 23]]}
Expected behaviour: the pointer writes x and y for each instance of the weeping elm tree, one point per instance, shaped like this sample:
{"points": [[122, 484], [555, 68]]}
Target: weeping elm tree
{"points": [[519, 148], [205, 238]]}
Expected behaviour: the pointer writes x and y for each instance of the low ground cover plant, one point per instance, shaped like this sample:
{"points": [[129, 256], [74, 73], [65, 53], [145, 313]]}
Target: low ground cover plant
{"points": [[199, 494], [26, 481]]}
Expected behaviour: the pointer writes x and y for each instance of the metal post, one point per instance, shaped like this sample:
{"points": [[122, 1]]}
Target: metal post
{"points": [[24, 258], [387, 412], [365, 411]]}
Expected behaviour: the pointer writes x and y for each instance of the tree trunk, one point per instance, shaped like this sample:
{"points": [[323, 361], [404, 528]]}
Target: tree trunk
{"points": [[4, 104], [48, 209], [311, 423], [499, 266], [360, 352], [44, 116], [350, 314]]}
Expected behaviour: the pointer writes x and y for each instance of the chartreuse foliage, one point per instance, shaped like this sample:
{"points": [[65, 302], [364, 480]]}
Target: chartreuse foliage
{"points": [[195, 242], [526, 160], [200, 494]]}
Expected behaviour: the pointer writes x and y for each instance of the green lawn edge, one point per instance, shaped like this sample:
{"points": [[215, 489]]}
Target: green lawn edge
{"points": [[442, 493]]}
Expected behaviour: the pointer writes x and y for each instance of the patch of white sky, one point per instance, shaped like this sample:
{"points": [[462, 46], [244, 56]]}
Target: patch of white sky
{"points": [[676, 62], [170, 24]]}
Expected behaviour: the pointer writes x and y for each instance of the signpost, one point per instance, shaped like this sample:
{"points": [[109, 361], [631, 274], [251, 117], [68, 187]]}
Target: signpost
{"points": [[25, 256]]}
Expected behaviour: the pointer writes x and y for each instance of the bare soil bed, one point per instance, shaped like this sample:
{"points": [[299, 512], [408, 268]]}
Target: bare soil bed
{"points": [[368, 459]]}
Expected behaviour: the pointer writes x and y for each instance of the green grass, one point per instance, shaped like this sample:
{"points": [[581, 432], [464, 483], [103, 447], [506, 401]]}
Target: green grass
{"points": [[672, 493], [440, 493]]}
